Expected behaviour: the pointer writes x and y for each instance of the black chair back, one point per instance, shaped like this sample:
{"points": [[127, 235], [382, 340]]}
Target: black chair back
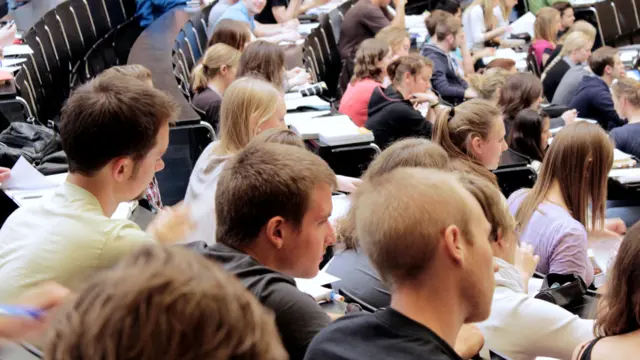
{"points": [[512, 179], [99, 17], [74, 39], [116, 12], [532, 63], [85, 21]]}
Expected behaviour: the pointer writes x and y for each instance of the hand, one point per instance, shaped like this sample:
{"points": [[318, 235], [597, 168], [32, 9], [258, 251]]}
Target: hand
{"points": [[347, 184], [171, 224], [525, 261], [470, 93], [507, 29], [293, 72], [569, 116], [419, 98], [291, 24], [469, 341], [615, 225], [300, 79], [321, 2], [4, 173], [46, 298], [7, 35], [399, 3]]}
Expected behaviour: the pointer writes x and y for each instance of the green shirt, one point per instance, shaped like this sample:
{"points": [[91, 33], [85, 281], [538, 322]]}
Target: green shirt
{"points": [[64, 238], [536, 5]]}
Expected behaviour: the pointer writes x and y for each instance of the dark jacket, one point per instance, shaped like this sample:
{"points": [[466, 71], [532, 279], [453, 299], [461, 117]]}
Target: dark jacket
{"points": [[553, 77], [593, 101], [208, 101], [149, 10], [445, 79], [392, 118]]}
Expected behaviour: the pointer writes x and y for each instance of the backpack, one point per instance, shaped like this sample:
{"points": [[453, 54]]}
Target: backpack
{"points": [[40, 146]]}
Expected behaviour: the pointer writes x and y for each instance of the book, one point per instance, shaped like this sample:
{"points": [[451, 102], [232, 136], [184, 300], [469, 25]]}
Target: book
{"points": [[332, 130]]}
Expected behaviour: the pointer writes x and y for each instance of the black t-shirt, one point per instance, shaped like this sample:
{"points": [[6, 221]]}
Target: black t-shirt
{"points": [[266, 16], [392, 118], [298, 317], [209, 102], [385, 335]]}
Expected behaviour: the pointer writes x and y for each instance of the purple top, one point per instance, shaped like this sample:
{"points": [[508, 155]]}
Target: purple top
{"points": [[558, 238]]}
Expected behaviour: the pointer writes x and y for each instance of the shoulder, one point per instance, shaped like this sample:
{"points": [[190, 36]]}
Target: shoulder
{"points": [[331, 339]]}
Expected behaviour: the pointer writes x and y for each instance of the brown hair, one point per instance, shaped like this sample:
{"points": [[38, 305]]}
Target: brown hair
{"points": [[436, 17], [506, 64], [216, 56], [579, 158], [231, 32], [134, 70], [488, 83], [619, 312], [412, 152], [543, 26], [449, 26], [519, 92], [370, 52], [412, 64], [263, 59], [472, 118], [112, 116], [601, 58], [627, 88], [279, 136], [393, 35], [264, 181], [561, 6], [164, 303], [418, 204]]}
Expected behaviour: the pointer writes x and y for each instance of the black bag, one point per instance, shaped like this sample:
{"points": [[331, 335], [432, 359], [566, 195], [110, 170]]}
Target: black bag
{"points": [[38, 144], [521, 36], [571, 289]]}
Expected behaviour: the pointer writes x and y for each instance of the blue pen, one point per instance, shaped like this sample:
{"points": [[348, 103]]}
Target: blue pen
{"points": [[336, 297], [20, 311]]}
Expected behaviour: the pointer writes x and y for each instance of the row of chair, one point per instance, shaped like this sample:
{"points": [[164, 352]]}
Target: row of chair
{"points": [[617, 21]]}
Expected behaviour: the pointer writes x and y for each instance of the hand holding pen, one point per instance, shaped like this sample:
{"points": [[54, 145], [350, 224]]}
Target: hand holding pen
{"points": [[32, 311]]}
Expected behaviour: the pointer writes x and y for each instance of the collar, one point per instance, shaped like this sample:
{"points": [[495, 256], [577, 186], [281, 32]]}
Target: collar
{"points": [[75, 192], [508, 276], [568, 60]]}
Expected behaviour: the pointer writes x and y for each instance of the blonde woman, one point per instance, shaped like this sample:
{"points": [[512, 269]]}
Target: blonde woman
{"points": [[211, 78], [483, 21], [397, 38], [575, 52], [488, 85], [545, 31]]}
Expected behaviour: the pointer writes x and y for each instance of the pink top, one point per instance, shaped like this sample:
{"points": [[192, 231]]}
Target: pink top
{"points": [[355, 101], [539, 46]]}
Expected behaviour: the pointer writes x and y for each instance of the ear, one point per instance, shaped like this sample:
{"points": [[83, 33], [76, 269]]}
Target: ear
{"points": [[224, 69], [407, 77], [453, 243], [608, 69], [275, 231], [122, 168], [476, 145], [501, 241]]}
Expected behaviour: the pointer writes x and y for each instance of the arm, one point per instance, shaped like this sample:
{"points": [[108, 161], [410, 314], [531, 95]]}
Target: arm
{"points": [[310, 5], [605, 104], [264, 30], [398, 20], [467, 59], [282, 12], [441, 84]]}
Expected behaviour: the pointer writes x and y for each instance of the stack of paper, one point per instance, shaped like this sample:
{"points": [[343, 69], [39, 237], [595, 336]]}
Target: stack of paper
{"points": [[622, 160], [305, 115], [313, 102], [12, 50], [507, 53], [626, 176], [332, 130], [305, 29]]}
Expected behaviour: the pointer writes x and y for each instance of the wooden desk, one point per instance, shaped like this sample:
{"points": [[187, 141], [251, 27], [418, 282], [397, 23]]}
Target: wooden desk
{"points": [[30, 13], [153, 49]]}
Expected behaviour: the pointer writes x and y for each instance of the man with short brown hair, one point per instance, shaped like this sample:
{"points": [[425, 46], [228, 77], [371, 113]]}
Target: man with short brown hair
{"points": [[429, 240], [164, 303], [273, 204]]}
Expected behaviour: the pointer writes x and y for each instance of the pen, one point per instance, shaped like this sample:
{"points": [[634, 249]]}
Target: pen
{"points": [[20, 311], [335, 297]]}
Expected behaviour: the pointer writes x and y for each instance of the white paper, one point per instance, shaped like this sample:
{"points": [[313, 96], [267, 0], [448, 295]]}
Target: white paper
{"points": [[507, 53], [10, 69], [295, 117], [287, 43], [628, 172], [26, 177], [619, 155], [309, 101], [312, 128], [17, 50], [11, 62], [341, 205], [322, 278], [524, 24], [306, 28]]}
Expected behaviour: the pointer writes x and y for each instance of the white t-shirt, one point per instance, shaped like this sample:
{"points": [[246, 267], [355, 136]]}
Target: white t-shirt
{"points": [[475, 28]]}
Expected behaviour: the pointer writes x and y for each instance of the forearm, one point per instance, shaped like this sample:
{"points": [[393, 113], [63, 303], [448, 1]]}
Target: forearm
{"points": [[264, 30], [493, 34], [468, 60], [282, 14], [398, 20], [275, 39], [308, 6]]}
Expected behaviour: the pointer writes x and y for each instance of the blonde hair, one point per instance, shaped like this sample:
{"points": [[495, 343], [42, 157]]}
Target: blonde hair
{"points": [[575, 41], [279, 136], [247, 103], [393, 35], [412, 64], [134, 70], [490, 20], [215, 58], [488, 83], [543, 26], [583, 27], [627, 88]]}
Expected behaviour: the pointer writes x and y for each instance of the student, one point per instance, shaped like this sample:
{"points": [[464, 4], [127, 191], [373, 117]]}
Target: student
{"points": [[446, 80], [536, 5], [397, 38], [163, 303], [211, 78], [506, 64], [281, 11], [488, 85], [430, 244], [249, 107], [617, 326], [483, 21], [626, 100], [545, 34], [575, 52], [530, 134], [521, 327], [149, 10], [579, 26], [462, 55], [362, 22], [572, 184], [473, 135], [274, 228], [114, 130], [370, 69], [231, 32], [350, 264], [266, 60], [567, 16], [246, 10], [392, 112], [216, 12], [279, 136], [593, 97]]}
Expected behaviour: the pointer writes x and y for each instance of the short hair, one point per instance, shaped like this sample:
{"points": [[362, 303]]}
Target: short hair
{"points": [[412, 64], [561, 6], [601, 58], [627, 88], [450, 6], [393, 35], [264, 181], [279, 136], [575, 41], [449, 26], [584, 27], [231, 32], [134, 70], [400, 217], [436, 17], [111, 116], [369, 54], [164, 303], [263, 59]]}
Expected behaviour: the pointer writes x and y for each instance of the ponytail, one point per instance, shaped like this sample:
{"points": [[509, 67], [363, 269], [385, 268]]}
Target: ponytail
{"points": [[214, 58], [392, 68], [198, 78], [411, 64]]}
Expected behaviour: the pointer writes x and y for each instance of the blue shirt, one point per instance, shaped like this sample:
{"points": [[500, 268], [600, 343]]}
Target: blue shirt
{"points": [[149, 10], [239, 12]]}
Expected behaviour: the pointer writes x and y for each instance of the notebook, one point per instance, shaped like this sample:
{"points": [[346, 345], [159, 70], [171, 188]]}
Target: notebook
{"points": [[312, 102], [332, 130]]}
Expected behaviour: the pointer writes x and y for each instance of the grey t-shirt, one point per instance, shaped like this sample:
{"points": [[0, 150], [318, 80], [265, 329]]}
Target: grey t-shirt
{"points": [[216, 12], [568, 86]]}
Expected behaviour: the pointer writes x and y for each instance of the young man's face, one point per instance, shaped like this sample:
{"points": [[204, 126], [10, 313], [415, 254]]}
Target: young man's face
{"points": [[255, 6], [618, 68], [567, 19]]}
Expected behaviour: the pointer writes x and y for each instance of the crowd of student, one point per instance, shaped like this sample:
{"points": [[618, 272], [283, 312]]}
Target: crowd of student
{"points": [[428, 239]]}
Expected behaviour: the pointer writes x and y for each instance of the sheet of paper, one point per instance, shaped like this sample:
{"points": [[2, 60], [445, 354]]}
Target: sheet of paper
{"points": [[341, 205], [287, 43], [619, 155], [12, 50], [524, 24], [306, 28], [309, 101], [10, 69], [25, 177], [321, 279], [11, 62], [295, 117]]}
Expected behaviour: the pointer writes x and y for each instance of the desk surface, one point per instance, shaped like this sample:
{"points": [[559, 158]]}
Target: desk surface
{"points": [[153, 49], [28, 14]]}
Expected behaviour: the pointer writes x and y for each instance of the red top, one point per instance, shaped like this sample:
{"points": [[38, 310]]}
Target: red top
{"points": [[355, 101]]}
